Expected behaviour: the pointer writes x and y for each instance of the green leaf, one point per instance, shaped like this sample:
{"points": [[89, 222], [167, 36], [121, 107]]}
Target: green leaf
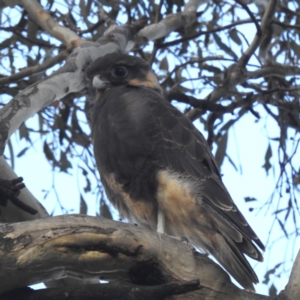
{"points": [[267, 165], [64, 163], [83, 206], [296, 48], [211, 68], [272, 291], [23, 132], [48, 153], [224, 47], [234, 36], [104, 210], [222, 146], [164, 65], [270, 272], [22, 152], [249, 199]]}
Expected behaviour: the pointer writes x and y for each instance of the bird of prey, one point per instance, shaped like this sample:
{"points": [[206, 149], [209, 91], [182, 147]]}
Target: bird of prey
{"points": [[157, 168]]}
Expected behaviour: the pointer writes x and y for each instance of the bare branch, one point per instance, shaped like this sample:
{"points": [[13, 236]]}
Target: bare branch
{"points": [[35, 69], [199, 33], [43, 19], [266, 19], [106, 18], [170, 23], [60, 84], [237, 74], [245, 6], [276, 70], [77, 245], [111, 291]]}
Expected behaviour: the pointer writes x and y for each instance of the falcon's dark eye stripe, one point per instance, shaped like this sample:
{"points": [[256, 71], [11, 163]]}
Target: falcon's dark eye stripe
{"points": [[119, 72]]}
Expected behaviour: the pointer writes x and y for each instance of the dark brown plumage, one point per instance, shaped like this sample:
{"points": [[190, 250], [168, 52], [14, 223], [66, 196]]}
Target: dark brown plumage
{"points": [[153, 161]]}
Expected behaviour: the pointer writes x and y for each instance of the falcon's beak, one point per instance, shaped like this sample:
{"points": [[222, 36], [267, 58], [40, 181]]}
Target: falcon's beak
{"points": [[99, 82]]}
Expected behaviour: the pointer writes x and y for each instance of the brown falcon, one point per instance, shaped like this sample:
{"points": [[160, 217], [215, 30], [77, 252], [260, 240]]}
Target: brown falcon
{"points": [[157, 168]]}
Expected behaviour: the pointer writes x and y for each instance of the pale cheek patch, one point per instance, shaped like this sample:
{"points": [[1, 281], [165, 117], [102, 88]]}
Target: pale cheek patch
{"points": [[150, 82]]}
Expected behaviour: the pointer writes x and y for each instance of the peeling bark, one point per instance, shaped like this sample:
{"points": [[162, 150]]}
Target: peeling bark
{"points": [[90, 247], [43, 19], [170, 23]]}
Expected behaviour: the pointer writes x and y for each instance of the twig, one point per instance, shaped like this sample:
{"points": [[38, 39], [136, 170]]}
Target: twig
{"points": [[124, 291], [246, 8], [104, 16], [266, 19], [44, 19], [158, 14], [193, 36], [35, 69]]}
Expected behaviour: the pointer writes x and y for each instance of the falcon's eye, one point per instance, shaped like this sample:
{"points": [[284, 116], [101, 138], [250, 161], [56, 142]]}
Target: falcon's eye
{"points": [[119, 72]]}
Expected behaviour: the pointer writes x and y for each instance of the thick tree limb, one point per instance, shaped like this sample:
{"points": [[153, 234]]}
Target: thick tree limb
{"points": [[292, 289], [112, 291], [92, 247], [170, 23], [60, 84], [43, 19]]}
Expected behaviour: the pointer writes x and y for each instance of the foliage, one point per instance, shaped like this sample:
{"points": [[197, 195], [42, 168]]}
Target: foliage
{"points": [[211, 66]]}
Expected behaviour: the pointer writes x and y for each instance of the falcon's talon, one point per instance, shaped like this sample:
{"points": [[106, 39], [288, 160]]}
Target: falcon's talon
{"points": [[185, 240], [158, 170]]}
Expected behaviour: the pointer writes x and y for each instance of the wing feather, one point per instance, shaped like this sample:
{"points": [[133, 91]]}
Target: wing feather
{"points": [[180, 146]]}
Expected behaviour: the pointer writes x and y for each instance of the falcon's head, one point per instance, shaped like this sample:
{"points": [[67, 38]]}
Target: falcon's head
{"points": [[117, 69]]}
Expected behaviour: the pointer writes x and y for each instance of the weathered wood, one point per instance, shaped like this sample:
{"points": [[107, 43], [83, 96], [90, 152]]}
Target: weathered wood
{"points": [[91, 247]]}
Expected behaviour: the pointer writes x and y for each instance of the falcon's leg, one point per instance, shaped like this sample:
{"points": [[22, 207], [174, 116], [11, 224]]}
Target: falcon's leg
{"points": [[160, 221], [161, 226]]}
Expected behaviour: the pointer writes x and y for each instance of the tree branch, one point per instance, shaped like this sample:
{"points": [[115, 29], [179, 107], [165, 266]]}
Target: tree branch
{"points": [[43, 19], [35, 69], [275, 70], [170, 23], [78, 245], [292, 289], [236, 73], [111, 291], [266, 19], [60, 83]]}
